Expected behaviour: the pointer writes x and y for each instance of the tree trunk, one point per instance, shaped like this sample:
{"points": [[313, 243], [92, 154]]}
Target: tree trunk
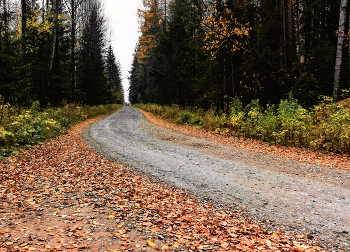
{"points": [[349, 44], [5, 14], [298, 6], [73, 48], [24, 26], [283, 15], [290, 47], [54, 35], [338, 59]]}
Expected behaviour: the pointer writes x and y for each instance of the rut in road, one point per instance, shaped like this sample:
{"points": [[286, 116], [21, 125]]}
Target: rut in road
{"points": [[314, 204]]}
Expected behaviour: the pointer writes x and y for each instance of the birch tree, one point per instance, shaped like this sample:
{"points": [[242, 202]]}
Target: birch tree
{"points": [[298, 7], [24, 26], [55, 6], [340, 43]]}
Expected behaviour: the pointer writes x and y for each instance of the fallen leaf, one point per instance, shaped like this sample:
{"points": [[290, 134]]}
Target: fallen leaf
{"points": [[154, 230], [151, 244]]}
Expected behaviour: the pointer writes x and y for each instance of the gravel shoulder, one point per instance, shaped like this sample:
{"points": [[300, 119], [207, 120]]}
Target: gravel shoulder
{"points": [[301, 197]]}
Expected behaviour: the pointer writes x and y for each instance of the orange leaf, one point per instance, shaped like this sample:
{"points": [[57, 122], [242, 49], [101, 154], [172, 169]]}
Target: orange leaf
{"points": [[225, 245], [154, 230]]}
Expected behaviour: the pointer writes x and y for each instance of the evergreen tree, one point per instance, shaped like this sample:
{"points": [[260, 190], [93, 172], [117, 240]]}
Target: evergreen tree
{"points": [[114, 77], [10, 64], [92, 79]]}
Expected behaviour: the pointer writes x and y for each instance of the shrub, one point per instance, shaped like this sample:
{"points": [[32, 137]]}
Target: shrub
{"points": [[324, 127], [21, 128], [183, 117]]}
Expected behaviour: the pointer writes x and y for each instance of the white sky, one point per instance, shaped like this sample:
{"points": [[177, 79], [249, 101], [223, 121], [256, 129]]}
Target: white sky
{"points": [[122, 15]]}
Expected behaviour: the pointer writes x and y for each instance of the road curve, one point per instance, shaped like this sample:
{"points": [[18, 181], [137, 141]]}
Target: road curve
{"points": [[318, 204]]}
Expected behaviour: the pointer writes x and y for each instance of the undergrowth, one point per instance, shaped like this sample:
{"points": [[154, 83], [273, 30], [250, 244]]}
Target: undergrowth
{"points": [[21, 128], [325, 126]]}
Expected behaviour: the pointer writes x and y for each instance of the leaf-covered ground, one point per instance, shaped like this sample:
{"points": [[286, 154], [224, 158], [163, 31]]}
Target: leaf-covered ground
{"points": [[62, 196]]}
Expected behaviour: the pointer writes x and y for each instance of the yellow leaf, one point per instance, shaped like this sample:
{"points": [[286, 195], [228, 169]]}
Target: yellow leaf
{"points": [[165, 247], [151, 244], [268, 242], [111, 217]]}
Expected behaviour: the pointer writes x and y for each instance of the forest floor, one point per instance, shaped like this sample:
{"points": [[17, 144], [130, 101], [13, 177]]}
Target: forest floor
{"points": [[64, 196]]}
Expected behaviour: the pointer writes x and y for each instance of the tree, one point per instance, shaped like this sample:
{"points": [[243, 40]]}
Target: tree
{"points": [[340, 45], [24, 26], [298, 13], [92, 79], [150, 23], [135, 88], [114, 77]]}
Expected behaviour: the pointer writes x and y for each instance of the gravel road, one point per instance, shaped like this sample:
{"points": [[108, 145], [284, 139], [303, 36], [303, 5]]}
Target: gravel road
{"points": [[299, 197]]}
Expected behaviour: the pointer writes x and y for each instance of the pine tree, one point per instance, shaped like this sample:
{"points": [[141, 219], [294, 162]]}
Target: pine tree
{"points": [[114, 77], [92, 79]]}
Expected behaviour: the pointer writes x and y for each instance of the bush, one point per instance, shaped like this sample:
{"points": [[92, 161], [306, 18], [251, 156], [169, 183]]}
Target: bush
{"points": [[23, 128], [324, 127]]}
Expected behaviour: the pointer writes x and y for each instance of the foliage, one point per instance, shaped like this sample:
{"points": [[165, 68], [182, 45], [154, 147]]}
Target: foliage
{"points": [[49, 69], [25, 127], [325, 126], [207, 52]]}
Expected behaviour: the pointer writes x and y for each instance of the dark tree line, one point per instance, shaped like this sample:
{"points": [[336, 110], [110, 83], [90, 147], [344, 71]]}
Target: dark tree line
{"points": [[54, 51], [205, 52]]}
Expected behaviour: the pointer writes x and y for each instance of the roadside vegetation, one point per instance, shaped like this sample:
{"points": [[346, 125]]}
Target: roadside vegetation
{"points": [[324, 127], [21, 128]]}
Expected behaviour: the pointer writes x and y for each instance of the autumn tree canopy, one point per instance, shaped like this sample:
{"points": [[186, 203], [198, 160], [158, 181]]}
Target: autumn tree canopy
{"points": [[204, 53]]}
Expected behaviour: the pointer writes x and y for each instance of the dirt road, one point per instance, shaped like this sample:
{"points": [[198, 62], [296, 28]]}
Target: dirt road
{"points": [[296, 196]]}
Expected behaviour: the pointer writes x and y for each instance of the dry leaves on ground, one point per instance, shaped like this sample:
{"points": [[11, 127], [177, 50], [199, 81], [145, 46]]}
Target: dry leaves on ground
{"points": [[63, 196]]}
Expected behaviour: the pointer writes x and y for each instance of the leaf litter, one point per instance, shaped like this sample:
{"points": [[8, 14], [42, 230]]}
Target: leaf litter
{"points": [[63, 196]]}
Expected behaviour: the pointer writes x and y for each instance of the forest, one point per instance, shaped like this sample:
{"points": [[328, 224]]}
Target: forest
{"points": [[57, 52], [204, 53]]}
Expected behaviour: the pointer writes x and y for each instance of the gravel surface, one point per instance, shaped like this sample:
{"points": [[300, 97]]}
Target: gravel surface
{"points": [[296, 196]]}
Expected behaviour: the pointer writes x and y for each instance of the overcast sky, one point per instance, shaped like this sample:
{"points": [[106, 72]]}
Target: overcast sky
{"points": [[122, 15]]}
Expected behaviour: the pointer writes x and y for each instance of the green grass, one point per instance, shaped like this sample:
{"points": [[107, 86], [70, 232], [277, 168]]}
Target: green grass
{"points": [[324, 127], [21, 128]]}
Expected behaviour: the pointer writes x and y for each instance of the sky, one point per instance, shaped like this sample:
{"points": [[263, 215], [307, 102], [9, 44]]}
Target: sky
{"points": [[122, 16]]}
